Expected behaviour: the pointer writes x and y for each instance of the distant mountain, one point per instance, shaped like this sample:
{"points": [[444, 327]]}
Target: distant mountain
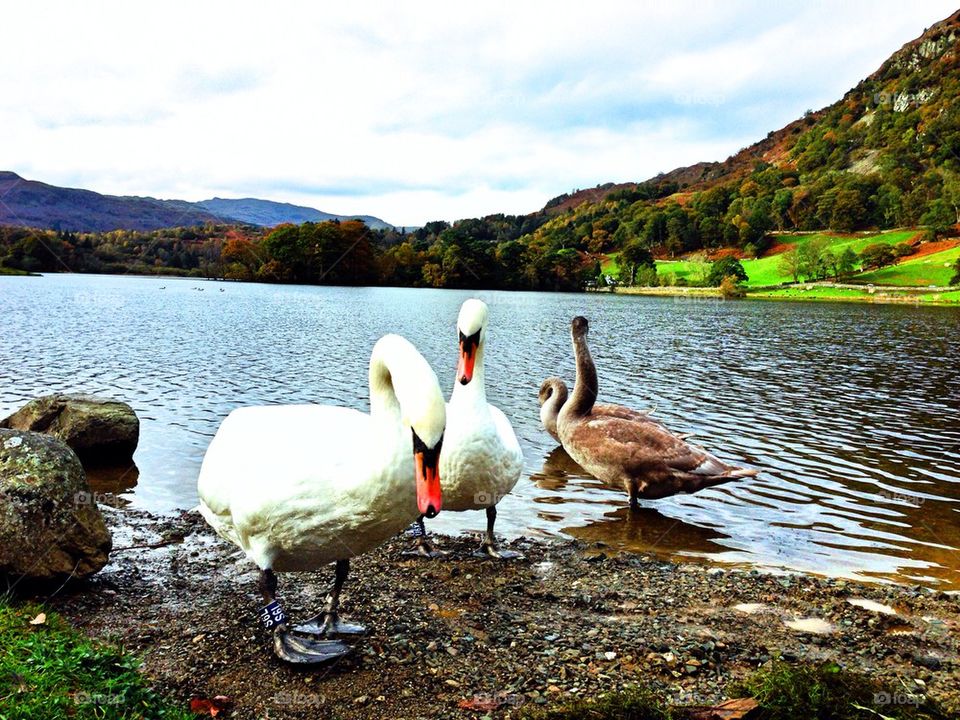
{"points": [[36, 204], [268, 213]]}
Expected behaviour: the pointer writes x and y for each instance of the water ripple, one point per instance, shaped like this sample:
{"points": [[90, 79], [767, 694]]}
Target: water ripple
{"points": [[852, 412]]}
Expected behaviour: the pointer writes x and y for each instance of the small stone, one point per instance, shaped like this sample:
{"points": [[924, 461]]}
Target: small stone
{"points": [[609, 655], [815, 626], [872, 606], [931, 662]]}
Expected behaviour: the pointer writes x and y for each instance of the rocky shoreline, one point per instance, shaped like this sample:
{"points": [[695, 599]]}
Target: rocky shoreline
{"points": [[466, 637]]}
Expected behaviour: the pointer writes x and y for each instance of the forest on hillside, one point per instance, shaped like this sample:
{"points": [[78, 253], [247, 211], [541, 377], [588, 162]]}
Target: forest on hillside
{"points": [[878, 172], [885, 156]]}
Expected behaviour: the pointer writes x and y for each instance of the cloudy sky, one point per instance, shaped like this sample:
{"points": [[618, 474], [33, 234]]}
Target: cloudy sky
{"points": [[417, 111]]}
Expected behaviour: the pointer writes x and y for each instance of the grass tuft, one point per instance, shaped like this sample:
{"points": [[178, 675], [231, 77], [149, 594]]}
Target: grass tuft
{"points": [[53, 671], [782, 691], [828, 692], [632, 704]]}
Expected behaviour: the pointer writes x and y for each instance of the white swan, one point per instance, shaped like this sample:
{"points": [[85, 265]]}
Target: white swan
{"points": [[300, 486], [481, 459]]}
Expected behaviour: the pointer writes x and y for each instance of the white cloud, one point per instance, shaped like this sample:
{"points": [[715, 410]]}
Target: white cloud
{"points": [[421, 110]]}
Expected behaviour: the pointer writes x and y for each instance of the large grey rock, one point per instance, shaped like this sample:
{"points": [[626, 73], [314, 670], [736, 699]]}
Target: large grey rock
{"points": [[100, 430], [50, 526]]}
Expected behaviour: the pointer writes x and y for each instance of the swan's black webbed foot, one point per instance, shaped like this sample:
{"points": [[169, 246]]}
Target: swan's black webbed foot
{"points": [[423, 548], [287, 646], [306, 651], [326, 624], [487, 550]]}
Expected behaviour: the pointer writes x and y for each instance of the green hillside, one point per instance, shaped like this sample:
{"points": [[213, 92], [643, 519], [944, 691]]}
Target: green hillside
{"points": [[934, 269], [765, 270], [885, 156]]}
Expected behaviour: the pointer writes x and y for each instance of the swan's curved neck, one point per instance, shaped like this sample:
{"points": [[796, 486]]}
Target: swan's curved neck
{"points": [[404, 388], [585, 389], [384, 403], [550, 410]]}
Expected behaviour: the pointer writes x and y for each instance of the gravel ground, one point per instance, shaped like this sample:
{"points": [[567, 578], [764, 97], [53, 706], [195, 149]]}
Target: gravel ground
{"points": [[466, 637]]}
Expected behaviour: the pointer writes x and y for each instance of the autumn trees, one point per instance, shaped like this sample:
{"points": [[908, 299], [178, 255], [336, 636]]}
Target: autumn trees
{"points": [[328, 253]]}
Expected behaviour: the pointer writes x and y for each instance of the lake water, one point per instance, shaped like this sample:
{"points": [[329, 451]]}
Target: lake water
{"points": [[851, 411]]}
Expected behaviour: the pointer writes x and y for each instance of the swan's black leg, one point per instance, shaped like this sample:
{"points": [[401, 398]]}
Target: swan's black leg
{"points": [[488, 548], [286, 646], [423, 548], [328, 622]]}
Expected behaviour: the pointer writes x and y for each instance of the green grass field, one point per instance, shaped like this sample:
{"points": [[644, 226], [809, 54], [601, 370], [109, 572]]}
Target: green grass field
{"points": [[935, 269], [763, 271], [830, 293]]}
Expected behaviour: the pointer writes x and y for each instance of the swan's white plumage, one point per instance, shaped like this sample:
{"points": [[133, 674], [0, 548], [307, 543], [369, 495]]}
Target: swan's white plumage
{"points": [[299, 486], [481, 459]]}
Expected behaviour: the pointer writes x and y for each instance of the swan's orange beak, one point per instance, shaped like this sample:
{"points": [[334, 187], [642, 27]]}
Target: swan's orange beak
{"points": [[426, 463], [468, 356]]}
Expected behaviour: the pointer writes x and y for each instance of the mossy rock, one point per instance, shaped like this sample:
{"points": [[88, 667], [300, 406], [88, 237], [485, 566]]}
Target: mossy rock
{"points": [[100, 430], [50, 525]]}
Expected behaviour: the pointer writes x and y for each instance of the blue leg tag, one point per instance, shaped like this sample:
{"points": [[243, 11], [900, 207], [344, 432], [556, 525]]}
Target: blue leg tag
{"points": [[272, 615]]}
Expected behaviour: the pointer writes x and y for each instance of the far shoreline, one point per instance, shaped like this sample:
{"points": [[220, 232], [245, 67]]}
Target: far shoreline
{"points": [[877, 295]]}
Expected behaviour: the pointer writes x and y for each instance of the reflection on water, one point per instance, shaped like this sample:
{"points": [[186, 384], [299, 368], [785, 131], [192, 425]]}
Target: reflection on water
{"points": [[645, 531], [115, 480], [852, 412]]}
